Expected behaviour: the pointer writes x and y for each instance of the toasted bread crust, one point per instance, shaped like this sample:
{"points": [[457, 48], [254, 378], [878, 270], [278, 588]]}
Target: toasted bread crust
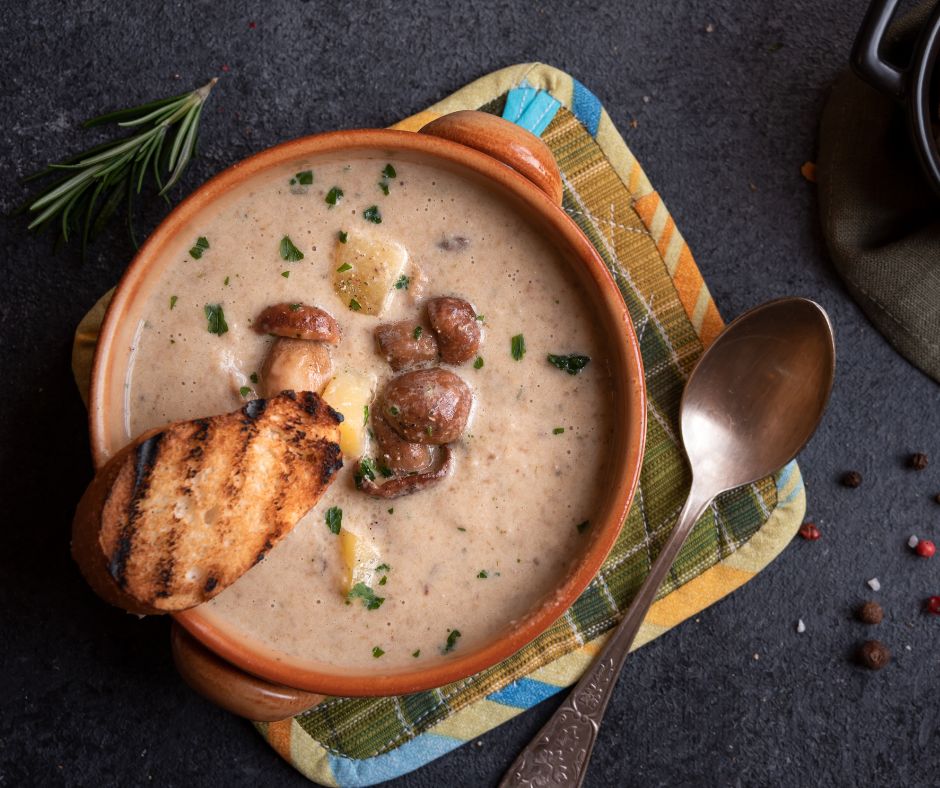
{"points": [[182, 512]]}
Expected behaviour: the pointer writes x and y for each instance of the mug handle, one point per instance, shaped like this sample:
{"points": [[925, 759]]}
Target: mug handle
{"points": [[866, 59], [230, 687], [505, 142]]}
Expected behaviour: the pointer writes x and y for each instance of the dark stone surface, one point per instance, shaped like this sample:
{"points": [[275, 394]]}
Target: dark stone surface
{"points": [[89, 694]]}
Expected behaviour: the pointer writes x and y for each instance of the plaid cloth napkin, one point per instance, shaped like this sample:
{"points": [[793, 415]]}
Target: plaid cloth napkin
{"points": [[361, 741]]}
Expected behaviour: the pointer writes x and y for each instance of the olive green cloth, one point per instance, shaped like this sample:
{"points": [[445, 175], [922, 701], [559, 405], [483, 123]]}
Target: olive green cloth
{"points": [[880, 218]]}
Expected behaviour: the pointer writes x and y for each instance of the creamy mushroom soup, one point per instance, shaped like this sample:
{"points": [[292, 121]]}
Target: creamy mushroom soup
{"points": [[364, 581]]}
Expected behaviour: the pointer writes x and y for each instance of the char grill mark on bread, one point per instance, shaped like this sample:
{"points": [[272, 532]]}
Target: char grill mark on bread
{"points": [[178, 516]]}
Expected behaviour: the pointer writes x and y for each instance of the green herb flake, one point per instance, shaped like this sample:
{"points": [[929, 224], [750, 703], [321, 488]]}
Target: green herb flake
{"points": [[304, 178], [389, 172], [451, 641], [394, 410], [461, 528], [289, 252], [202, 243], [334, 519], [173, 300], [294, 307], [402, 283], [343, 236], [416, 654], [244, 391], [372, 214], [383, 568], [478, 364], [481, 318], [582, 527], [333, 196], [216, 317], [366, 470], [377, 652], [517, 346], [384, 187], [285, 274], [344, 267], [365, 414], [483, 574], [572, 364], [253, 377], [417, 332], [384, 580], [354, 305], [367, 595], [392, 510], [558, 431], [226, 281]]}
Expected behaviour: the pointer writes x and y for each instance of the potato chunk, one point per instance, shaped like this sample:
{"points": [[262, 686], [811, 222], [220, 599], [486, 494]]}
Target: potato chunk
{"points": [[365, 271], [360, 558], [349, 393]]}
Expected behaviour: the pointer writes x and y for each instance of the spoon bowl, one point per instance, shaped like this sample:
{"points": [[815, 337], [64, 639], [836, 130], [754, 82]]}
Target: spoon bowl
{"points": [[757, 394]]}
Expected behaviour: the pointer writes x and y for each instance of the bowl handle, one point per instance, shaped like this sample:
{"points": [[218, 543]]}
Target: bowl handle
{"points": [[505, 142], [866, 58], [231, 688]]}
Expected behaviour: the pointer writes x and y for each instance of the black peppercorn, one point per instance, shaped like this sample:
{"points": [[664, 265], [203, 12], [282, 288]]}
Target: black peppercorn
{"points": [[918, 461], [870, 613], [851, 479], [874, 654]]}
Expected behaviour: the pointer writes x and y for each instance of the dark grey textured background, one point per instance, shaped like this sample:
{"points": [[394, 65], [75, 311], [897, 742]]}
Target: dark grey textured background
{"points": [[89, 696]]}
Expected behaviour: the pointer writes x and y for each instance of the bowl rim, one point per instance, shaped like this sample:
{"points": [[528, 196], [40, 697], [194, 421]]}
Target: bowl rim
{"points": [[626, 366]]}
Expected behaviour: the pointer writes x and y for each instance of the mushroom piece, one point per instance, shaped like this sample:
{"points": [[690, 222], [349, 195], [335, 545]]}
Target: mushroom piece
{"points": [[398, 454], [296, 365], [405, 344], [426, 405], [405, 485], [298, 321], [458, 330]]}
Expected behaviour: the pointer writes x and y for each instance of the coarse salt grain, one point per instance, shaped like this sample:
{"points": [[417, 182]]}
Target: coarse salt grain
{"points": [[912, 542], [800, 626], [874, 585]]}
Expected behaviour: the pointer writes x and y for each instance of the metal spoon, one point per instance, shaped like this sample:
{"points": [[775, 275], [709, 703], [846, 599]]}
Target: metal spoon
{"points": [[751, 403]]}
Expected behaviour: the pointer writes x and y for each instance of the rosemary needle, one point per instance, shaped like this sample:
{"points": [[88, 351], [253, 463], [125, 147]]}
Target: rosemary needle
{"points": [[96, 181]]}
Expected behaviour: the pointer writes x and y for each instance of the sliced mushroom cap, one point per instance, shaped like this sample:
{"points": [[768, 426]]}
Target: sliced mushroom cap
{"points": [[458, 330], [405, 344], [398, 454], [296, 365], [426, 405], [298, 321], [405, 485]]}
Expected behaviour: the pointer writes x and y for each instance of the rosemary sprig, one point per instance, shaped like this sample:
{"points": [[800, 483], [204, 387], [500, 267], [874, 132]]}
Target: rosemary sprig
{"points": [[97, 180]]}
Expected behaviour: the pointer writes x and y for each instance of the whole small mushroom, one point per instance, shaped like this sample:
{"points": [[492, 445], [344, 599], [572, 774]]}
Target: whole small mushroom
{"points": [[398, 454], [458, 330], [405, 344], [298, 321], [426, 405]]}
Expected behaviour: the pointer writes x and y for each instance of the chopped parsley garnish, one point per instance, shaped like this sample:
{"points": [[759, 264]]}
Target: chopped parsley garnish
{"points": [[451, 641], [354, 305], [372, 214], [558, 431], [304, 178], [216, 317], [285, 274], [393, 409], [461, 528], [377, 652], [517, 346], [478, 364], [392, 510], [334, 519], [365, 414], [383, 568], [202, 243], [333, 196], [290, 252], [226, 281], [367, 595], [429, 429], [417, 332], [173, 300], [294, 307], [582, 527], [384, 580], [402, 283], [253, 377], [343, 236], [366, 470], [244, 391], [383, 185], [416, 653], [389, 171], [572, 364], [483, 574], [481, 318], [343, 267]]}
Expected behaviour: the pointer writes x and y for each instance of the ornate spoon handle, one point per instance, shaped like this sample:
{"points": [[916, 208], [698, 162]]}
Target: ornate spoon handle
{"points": [[559, 754]]}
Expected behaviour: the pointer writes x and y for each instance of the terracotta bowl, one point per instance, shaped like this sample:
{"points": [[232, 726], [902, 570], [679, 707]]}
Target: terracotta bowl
{"points": [[245, 678]]}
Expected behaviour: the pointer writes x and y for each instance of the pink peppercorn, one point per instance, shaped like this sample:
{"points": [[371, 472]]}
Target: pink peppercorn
{"points": [[925, 548], [810, 532], [933, 605]]}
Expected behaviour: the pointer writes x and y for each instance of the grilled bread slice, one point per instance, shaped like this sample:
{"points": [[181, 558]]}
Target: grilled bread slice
{"points": [[183, 512]]}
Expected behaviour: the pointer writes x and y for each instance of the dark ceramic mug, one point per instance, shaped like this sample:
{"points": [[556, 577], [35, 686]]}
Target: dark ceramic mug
{"points": [[910, 85]]}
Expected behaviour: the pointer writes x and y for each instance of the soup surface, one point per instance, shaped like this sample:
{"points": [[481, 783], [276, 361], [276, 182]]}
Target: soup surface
{"points": [[445, 569]]}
